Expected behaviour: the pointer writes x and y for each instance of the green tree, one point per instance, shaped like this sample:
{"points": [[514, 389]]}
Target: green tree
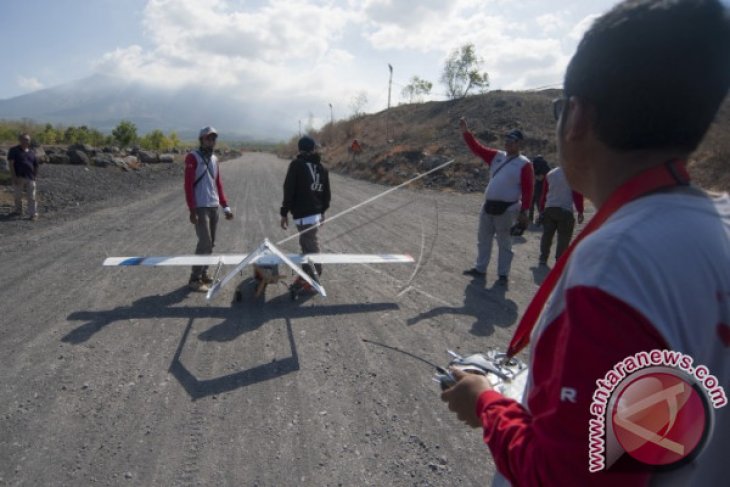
{"points": [[70, 135], [415, 89], [96, 138], [461, 72], [125, 133], [48, 136], [174, 140], [155, 140], [83, 135]]}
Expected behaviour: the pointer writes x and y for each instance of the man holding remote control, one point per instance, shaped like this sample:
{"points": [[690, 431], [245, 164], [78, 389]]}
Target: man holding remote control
{"points": [[648, 274]]}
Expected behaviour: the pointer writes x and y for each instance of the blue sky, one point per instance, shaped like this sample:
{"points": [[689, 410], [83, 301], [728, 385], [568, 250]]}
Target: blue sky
{"points": [[299, 53], [52, 42]]}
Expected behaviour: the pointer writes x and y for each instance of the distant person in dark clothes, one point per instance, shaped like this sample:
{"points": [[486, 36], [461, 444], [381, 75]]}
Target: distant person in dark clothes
{"points": [[556, 213], [23, 172], [306, 197], [204, 194], [507, 197], [540, 167]]}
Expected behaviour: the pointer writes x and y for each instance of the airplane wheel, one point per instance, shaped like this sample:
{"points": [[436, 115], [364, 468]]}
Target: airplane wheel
{"points": [[293, 294]]}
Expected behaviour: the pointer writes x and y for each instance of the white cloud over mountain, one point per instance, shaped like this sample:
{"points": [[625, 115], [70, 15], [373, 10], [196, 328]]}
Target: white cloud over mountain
{"points": [[328, 49], [288, 60]]}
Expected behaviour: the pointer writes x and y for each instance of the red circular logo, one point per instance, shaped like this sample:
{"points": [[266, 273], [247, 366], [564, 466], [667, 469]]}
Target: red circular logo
{"points": [[659, 418]]}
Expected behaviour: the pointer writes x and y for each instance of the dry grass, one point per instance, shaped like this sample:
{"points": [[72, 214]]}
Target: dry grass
{"points": [[397, 141]]}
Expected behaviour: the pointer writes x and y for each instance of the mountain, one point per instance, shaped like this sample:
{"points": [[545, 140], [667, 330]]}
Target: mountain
{"points": [[102, 102]]}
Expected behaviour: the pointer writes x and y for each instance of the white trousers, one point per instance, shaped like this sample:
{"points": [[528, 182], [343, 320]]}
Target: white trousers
{"points": [[491, 226], [27, 186]]}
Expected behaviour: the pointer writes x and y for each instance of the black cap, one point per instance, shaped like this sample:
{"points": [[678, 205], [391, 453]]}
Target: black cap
{"points": [[515, 135], [306, 144]]}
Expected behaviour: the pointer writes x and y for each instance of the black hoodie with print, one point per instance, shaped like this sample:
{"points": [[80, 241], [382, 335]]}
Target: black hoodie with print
{"points": [[306, 187]]}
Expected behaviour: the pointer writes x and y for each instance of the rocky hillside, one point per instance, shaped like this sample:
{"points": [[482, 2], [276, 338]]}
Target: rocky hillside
{"points": [[412, 138]]}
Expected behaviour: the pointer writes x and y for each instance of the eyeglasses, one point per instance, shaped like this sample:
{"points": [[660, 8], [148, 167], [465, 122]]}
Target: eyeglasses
{"points": [[558, 107], [211, 136]]}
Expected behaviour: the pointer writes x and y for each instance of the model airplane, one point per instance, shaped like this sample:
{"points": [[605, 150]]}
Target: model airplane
{"points": [[265, 260]]}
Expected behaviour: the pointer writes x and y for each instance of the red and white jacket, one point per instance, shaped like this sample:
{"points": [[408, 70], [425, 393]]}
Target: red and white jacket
{"points": [[208, 192], [514, 179], [655, 275], [557, 193]]}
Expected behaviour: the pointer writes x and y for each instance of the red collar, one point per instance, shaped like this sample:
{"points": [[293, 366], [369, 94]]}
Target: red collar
{"points": [[672, 173]]}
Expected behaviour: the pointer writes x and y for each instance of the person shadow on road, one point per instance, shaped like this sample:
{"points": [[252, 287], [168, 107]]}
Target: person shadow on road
{"points": [[489, 306]]}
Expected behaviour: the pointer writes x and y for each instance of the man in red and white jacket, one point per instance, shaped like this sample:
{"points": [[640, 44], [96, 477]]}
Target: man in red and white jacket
{"points": [[204, 194], [556, 213], [508, 196], [649, 272]]}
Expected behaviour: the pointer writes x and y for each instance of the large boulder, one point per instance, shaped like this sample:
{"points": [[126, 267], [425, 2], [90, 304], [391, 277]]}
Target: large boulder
{"points": [[147, 156], [131, 163], [119, 162], [103, 160], [78, 157], [86, 148], [41, 155], [59, 158], [167, 158]]}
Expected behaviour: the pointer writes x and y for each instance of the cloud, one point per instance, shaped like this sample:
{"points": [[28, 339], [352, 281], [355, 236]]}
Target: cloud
{"points": [[582, 26], [298, 53], [406, 14], [28, 84], [550, 23]]}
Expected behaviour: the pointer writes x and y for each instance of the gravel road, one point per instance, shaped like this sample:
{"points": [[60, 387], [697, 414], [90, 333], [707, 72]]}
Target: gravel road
{"points": [[121, 376]]}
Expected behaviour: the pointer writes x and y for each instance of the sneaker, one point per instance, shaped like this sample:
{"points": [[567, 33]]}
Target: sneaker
{"points": [[206, 279], [474, 273], [198, 286], [300, 285]]}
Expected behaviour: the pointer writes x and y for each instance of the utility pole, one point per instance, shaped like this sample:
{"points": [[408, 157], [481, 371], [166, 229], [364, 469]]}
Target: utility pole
{"points": [[332, 116], [300, 129], [387, 112]]}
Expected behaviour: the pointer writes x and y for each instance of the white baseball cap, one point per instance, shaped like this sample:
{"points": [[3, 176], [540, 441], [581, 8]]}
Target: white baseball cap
{"points": [[206, 131]]}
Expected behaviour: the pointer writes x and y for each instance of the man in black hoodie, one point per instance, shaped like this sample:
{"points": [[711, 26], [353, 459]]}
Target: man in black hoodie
{"points": [[307, 197]]}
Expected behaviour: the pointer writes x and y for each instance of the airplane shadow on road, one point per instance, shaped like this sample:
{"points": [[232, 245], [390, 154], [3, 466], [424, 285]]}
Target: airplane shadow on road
{"points": [[489, 306], [240, 318]]}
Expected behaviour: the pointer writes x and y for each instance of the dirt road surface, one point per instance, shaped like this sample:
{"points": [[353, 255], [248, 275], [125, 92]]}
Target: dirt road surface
{"points": [[121, 376]]}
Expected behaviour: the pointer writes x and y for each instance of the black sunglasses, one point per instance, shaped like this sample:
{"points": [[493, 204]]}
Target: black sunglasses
{"points": [[558, 107]]}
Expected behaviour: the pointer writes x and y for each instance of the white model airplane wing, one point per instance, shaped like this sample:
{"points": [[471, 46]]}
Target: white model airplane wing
{"points": [[266, 259], [184, 260], [265, 254], [352, 258]]}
